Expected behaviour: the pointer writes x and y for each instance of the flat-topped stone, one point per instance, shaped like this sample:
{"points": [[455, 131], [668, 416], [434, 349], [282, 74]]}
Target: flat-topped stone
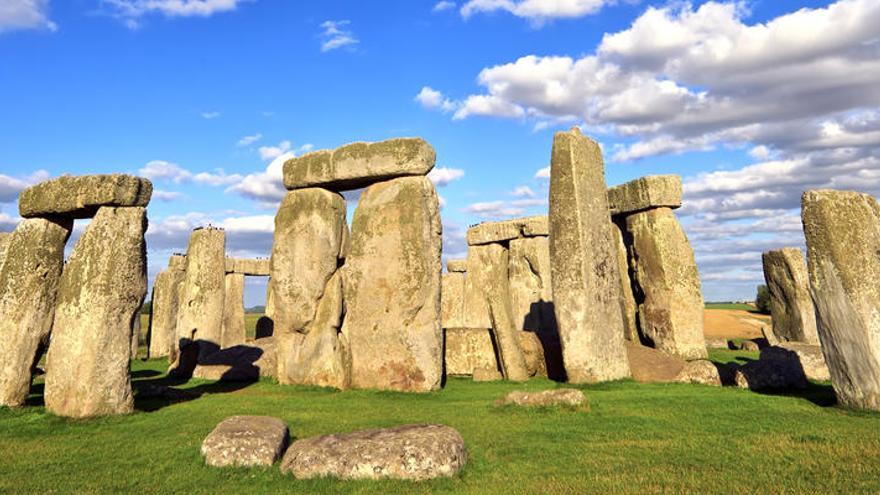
{"points": [[545, 398], [358, 165], [489, 232], [645, 193], [81, 196], [456, 266], [255, 267], [246, 441]]}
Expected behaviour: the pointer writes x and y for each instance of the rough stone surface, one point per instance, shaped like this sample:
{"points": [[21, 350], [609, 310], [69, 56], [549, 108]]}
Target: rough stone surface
{"points": [[309, 230], [494, 286], [476, 306], [100, 295], [651, 365], [81, 196], [701, 371], [452, 300], [586, 285], [489, 232], [667, 283], [28, 286], [200, 309], [4, 242], [135, 336], [246, 441], [234, 332], [177, 262], [843, 238], [392, 287], [456, 266], [468, 349], [487, 374], [777, 369], [358, 165], [644, 193], [558, 397], [410, 452], [163, 318], [254, 267], [811, 359], [533, 353], [794, 317], [628, 306], [268, 360]]}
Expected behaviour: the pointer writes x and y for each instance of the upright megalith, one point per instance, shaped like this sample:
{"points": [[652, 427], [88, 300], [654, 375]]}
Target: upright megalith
{"points": [[452, 300], [234, 332], [628, 306], [163, 316], [4, 243], [28, 286], [309, 230], [583, 257], [391, 281], [100, 294], [81, 196], [794, 317], [200, 310], [842, 231]]}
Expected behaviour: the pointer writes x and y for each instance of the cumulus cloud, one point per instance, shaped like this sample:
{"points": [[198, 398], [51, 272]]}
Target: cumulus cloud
{"points": [[273, 152], [432, 99], [11, 186], [337, 35], [267, 187], [442, 176], [537, 11], [25, 14]]}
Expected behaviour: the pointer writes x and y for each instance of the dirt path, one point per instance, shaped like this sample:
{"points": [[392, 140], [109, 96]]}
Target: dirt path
{"points": [[733, 323]]}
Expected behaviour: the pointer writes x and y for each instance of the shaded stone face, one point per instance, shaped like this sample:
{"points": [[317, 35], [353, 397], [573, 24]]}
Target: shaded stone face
{"points": [[843, 238], [653, 191], [28, 286], [81, 196], [245, 441], [583, 254], [794, 317], [469, 349], [200, 310], [163, 318], [233, 311], [358, 165], [667, 284], [628, 306], [452, 300], [391, 280], [489, 232], [100, 294], [409, 452]]}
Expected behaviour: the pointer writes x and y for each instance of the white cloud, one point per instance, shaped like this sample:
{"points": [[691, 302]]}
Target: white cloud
{"points": [[166, 195], [210, 115], [538, 11], [442, 176], [432, 99], [11, 186], [130, 11], [444, 5], [265, 187], [337, 35], [249, 236], [25, 14], [163, 171], [272, 152], [493, 209], [523, 192], [543, 173], [249, 140]]}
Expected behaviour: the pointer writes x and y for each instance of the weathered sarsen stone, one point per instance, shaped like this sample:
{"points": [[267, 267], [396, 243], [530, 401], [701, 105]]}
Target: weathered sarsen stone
{"points": [[628, 306], [644, 193], [200, 311], [671, 301], [28, 287], [452, 300], [842, 230], [392, 287], [81, 196], [246, 441], [234, 332], [794, 317], [4, 242], [583, 254], [163, 317], [358, 165], [489, 232], [456, 266], [99, 296], [467, 350]]}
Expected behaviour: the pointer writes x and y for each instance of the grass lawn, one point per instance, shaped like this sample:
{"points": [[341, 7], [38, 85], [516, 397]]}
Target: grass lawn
{"points": [[739, 306]]}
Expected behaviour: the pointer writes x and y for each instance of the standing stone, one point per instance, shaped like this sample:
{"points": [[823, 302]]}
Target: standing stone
{"points": [[476, 306], [794, 317], [467, 350], [99, 296], [452, 300], [136, 335], [163, 317], [200, 311], [670, 302], [28, 286], [586, 282], [628, 305], [4, 242], [842, 230], [234, 332], [491, 277], [392, 287], [309, 230], [270, 301]]}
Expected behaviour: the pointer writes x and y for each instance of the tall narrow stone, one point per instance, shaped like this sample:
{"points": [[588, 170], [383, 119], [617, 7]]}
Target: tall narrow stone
{"points": [[842, 230], [135, 346], [234, 332], [452, 300], [163, 318], [4, 243], [491, 276], [794, 317], [586, 283], [309, 230], [628, 306], [200, 311], [28, 287], [99, 296], [476, 306], [392, 287]]}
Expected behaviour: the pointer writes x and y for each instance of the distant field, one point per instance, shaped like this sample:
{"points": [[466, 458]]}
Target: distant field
{"points": [[740, 306]]}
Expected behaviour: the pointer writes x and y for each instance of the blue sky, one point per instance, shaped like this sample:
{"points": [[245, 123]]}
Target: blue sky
{"points": [[751, 102]]}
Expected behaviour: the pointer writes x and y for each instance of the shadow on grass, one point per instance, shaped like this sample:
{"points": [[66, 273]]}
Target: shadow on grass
{"points": [[153, 395], [819, 394]]}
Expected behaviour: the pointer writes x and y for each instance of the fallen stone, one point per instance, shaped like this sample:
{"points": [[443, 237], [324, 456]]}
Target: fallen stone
{"points": [[586, 284], [487, 375], [491, 232], [456, 266], [411, 452], [546, 398], [533, 353], [749, 345], [28, 287], [777, 369], [235, 364], [628, 306], [162, 334], [653, 191], [392, 288], [650, 365], [246, 441], [81, 196], [794, 317], [717, 343], [468, 350], [234, 332], [811, 359], [358, 165], [100, 294], [258, 267], [701, 372]]}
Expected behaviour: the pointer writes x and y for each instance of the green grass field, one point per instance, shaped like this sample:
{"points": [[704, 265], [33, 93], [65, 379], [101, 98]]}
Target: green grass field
{"points": [[740, 306], [637, 438]]}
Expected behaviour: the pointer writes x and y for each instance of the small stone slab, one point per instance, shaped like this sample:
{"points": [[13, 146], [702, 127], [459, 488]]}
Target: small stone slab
{"points": [[487, 375], [245, 441], [410, 452], [653, 191], [456, 266], [489, 232], [558, 397], [701, 371], [257, 267], [81, 196], [358, 165]]}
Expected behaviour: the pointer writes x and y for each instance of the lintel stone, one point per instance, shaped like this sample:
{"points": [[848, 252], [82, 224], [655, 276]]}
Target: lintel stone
{"points": [[489, 232], [644, 193], [81, 196]]}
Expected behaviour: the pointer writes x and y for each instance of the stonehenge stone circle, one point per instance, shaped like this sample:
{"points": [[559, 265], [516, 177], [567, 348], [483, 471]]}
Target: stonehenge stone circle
{"points": [[81, 196], [100, 293], [391, 281], [246, 441], [794, 317], [583, 256], [163, 317], [200, 308], [843, 238], [28, 286], [234, 332]]}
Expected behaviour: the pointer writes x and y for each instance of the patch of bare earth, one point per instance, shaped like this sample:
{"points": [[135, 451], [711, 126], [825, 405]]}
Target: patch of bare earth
{"points": [[733, 324]]}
